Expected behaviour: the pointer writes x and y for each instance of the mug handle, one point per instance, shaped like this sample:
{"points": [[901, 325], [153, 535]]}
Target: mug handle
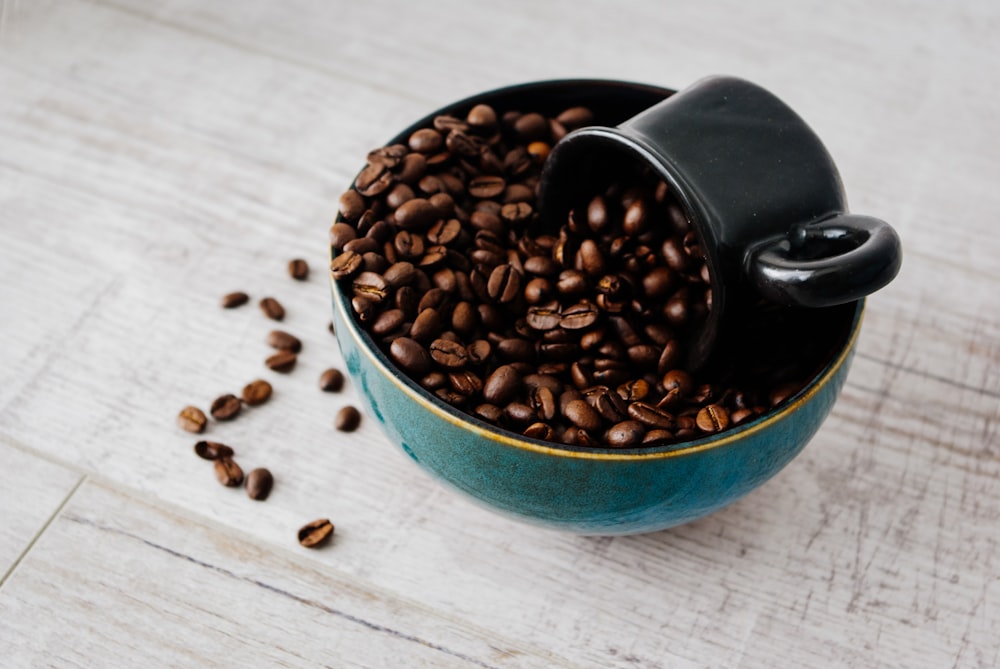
{"points": [[832, 261]]}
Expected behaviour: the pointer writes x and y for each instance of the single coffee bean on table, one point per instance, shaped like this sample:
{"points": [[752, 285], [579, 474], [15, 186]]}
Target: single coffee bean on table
{"points": [[442, 254], [316, 533], [233, 300], [226, 407], [283, 341], [348, 419], [228, 472], [298, 269], [331, 380], [282, 362], [259, 483], [212, 450], [256, 392], [192, 419], [272, 309]]}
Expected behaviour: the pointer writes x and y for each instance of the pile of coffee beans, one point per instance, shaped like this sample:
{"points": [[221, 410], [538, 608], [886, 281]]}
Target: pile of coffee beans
{"points": [[576, 334], [227, 407]]}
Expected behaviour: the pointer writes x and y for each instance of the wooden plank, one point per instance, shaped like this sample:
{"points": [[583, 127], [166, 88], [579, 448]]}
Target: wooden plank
{"points": [[33, 490], [184, 593]]}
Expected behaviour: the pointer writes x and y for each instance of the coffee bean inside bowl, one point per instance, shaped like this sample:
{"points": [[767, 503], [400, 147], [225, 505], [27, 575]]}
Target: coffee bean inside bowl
{"points": [[576, 334]]}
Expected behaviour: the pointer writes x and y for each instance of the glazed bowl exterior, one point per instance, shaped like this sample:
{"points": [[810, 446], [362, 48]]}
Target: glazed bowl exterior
{"points": [[594, 491]]}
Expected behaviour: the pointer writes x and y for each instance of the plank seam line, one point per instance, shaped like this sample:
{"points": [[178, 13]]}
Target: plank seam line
{"points": [[929, 375], [42, 530]]}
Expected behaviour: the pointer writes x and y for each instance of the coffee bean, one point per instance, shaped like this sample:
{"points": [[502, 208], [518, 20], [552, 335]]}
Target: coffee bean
{"points": [[345, 265], [486, 186], [416, 214], [226, 407], [228, 472], [348, 419], [316, 533], [575, 117], [298, 269], [212, 450], [741, 416], [465, 382], [657, 436], [579, 316], [544, 316], [651, 415], [540, 431], [626, 433], [482, 117], [373, 180], [448, 354], [283, 341], [410, 355], [426, 140], [341, 234], [331, 381], [272, 309], [531, 127], [233, 300], [352, 205], [516, 212], [504, 284], [712, 418], [256, 392], [192, 419], [371, 286], [259, 483], [501, 386], [782, 393], [282, 362], [582, 415]]}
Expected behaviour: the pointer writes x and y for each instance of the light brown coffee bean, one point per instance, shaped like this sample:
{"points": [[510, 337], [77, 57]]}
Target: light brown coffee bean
{"points": [[256, 392], [316, 533], [284, 341], [233, 300], [228, 472], [626, 433], [272, 308], [281, 362], [346, 264], [712, 418], [226, 407], [192, 419], [651, 415], [259, 483], [212, 450]]}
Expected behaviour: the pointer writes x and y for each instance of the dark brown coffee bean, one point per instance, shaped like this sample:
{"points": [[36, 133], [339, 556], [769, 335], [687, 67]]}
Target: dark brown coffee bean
{"points": [[298, 269], [491, 413], [501, 386], [571, 283], [228, 472], [741, 416], [226, 407], [316, 533], [712, 418], [387, 156], [416, 214], [540, 431], [352, 205], [283, 341], [486, 186], [544, 316], [212, 450], [373, 180], [448, 354], [341, 234], [465, 382], [464, 318], [597, 214], [410, 355], [345, 265], [444, 123], [464, 144], [504, 284], [401, 273], [426, 326], [575, 117], [657, 436], [589, 258], [281, 362], [626, 433], [607, 403], [676, 311], [479, 351], [581, 414], [516, 212], [633, 391], [259, 483], [362, 245], [543, 402], [192, 419], [370, 286], [434, 380], [579, 316], [256, 392], [670, 357], [348, 419], [445, 231], [233, 300], [531, 127], [426, 140], [412, 168], [272, 309], [650, 415], [678, 379], [331, 381]]}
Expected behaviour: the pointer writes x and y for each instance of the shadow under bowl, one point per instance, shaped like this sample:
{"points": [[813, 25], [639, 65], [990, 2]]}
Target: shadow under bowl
{"points": [[593, 491]]}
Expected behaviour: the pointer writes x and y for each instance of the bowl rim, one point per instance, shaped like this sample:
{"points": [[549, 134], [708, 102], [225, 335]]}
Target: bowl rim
{"points": [[511, 439]]}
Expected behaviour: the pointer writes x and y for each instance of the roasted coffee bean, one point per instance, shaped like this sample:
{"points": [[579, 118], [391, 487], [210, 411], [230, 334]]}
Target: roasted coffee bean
{"points": [[465, 382], [192, 419], [445, 231], [741, 416], [626, 433], [651, 415], [516, 212], [482, 117], [426, 140], [283, 341], [272, 309], [352, 205], [444, 123], [582, 415], [362, 245], [519, 414], [371, 286], [501, 386], [782, 393], [576, 117], [259, 483], [331, 380], [633, 391], [486, 186], [226, 407], [387, 156], [298, 269], [678, 379], [256, 392], [374, 180], [348, 419], [448, 354], [543, 402], [712, 418], [540, 431], [228, 472], [316, 533], [416, 214], [464, 318], [491, 413], [410, 355], [345, 265], [426, 326], [544, 316], [341, 234], [531, 127], [434, 380], [233, 300], [657, 436], [282, 362], [579, 316], [212, 450], [504, 284]]}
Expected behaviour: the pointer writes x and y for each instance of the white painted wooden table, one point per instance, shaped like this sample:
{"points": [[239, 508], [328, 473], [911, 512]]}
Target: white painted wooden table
{"points": [[155, 155]]}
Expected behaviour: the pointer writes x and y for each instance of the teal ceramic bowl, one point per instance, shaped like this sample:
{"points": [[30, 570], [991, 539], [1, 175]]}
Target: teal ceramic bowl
{"points": [[593, 491]]}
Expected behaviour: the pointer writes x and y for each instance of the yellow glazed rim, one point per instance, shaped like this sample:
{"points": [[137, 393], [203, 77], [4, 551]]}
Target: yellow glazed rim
{"points": [[474, 425]]}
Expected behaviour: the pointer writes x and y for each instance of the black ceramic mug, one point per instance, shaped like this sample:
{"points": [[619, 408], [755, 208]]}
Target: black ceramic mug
{"points": [[760, 190]]}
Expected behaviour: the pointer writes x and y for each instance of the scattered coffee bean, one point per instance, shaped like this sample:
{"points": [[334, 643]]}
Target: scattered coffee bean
{"points": [[256, 392], [298, 269], [272, 309], [228, 472], [192, 419], [348, 419], [316, 533], [226, 407], [283, 341], [259, 483], [212, 450], [282, 362], [233, 300], [331, 381]]}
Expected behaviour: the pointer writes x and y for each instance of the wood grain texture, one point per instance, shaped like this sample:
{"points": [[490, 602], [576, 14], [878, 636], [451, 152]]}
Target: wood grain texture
{"points": [[157, 155]]}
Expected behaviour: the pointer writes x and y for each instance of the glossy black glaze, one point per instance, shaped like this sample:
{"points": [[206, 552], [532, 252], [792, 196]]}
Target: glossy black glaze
{"points": [[760, 189]]}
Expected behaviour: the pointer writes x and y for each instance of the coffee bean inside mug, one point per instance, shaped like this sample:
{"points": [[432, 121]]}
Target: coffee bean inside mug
{"points": [[576, 334]]}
